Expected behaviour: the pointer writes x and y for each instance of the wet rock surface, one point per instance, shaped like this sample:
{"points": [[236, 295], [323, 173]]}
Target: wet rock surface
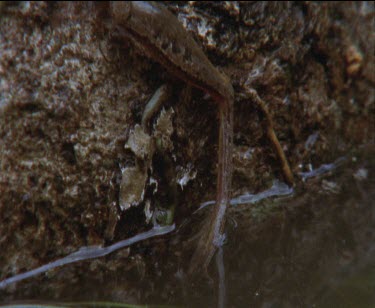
{"points": [[70, 95]]}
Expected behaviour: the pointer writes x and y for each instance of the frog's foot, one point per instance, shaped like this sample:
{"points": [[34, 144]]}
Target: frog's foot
{"points": [[203, 254], [210, 238]]}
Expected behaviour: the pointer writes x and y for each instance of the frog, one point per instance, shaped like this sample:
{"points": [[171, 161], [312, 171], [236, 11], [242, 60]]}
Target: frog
{"points": [[157, 33]]}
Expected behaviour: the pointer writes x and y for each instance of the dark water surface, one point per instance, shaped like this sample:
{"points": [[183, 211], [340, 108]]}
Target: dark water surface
{"points": [[314, 247]]}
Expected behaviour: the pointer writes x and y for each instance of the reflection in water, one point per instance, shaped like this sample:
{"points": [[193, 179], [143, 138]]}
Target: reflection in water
{"points": [[88, 252], [219, 258], [322, 169], [278, 189], [314, 247]]}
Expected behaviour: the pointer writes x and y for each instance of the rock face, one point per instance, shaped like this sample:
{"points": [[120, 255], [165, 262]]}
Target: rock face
{"points": [[70, 94]]}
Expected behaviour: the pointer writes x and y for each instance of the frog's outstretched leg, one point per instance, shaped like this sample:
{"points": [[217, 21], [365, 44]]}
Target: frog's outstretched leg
{"points": [[288, 175]]}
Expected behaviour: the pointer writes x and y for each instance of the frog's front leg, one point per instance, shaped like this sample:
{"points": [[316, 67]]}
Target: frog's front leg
{"points": [[288, 175]]}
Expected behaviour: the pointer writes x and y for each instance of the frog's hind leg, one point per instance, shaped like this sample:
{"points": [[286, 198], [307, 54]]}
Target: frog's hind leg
{"points": [[288, 175]]}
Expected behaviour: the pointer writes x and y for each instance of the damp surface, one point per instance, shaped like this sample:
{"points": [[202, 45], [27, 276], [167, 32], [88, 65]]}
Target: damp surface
{"points": [[313, 246], [75, 182]]}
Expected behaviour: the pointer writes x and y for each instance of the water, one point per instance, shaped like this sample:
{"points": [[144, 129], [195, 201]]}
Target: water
{"points": [[313, 246]]}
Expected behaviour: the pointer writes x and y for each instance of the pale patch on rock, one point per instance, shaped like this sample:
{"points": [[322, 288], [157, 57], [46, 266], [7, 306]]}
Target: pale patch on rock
{"points": [[163, 129], [132, 187], [140, 143]]}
